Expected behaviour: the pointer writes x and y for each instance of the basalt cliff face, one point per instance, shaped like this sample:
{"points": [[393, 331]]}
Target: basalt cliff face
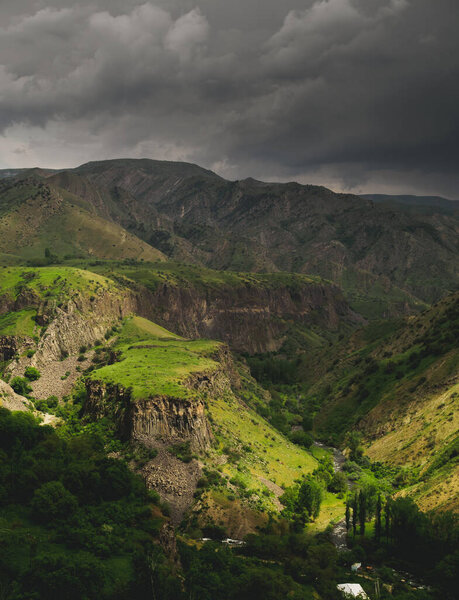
{"points": [[248, 318], [81, 322], [159, 419]]}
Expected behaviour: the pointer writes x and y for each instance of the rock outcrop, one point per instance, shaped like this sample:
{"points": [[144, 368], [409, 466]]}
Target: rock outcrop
{"points": [[81, 322], [147, 420], [10, 400], [8, 347]]}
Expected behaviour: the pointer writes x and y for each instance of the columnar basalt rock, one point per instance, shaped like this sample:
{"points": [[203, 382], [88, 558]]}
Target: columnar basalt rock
{"points": [[147, 420]]}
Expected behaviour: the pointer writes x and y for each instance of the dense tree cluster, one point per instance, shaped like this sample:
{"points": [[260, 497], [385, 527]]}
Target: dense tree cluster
{"points": [[72, 521]]}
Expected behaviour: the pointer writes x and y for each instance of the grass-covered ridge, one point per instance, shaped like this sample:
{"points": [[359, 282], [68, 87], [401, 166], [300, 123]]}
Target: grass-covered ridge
{"points": [[50, 282], [155, 362], [154, 274]]}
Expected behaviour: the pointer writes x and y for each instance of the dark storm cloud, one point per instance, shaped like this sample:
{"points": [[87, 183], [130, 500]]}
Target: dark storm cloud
{"points": [[345, 92]]}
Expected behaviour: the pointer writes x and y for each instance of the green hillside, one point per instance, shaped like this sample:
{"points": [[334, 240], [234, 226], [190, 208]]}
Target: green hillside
{"points": [[35, 216], [397, 385]]}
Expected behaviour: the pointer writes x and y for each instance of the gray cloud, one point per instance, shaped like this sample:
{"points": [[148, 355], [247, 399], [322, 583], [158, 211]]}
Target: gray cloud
{"points": [[357, 94]]}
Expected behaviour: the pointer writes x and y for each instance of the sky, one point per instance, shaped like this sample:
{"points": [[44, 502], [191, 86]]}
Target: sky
{"points": [[357, 95]]}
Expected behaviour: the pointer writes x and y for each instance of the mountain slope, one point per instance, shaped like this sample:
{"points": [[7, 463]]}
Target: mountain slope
{"points": [[379, 255], [398, 384], [35, 216], [422, 204]]}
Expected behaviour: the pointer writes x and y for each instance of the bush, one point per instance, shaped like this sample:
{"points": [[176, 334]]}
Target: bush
{"points": [[338, 483], [301, 438], [32, 374], [21, 386], [182, 451]]}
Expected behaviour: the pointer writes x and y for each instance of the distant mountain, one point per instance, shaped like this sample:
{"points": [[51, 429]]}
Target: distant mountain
{"points": [[388, 260], [423, 203], [384, 258]]}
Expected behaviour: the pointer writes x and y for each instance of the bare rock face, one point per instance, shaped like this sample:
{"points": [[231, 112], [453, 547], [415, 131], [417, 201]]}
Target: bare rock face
{"points": [[147, 420], [10, 400], [80, 322], [170, 419], [249, 318], [8, 347]]}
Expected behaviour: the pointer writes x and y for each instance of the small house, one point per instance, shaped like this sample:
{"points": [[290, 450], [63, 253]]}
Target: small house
{"points": [[352, 590]]}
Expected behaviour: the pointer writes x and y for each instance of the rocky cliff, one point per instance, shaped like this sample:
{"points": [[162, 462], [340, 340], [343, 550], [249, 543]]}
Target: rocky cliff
{"points": [[250, 318], [161, 419], [82, 321]]}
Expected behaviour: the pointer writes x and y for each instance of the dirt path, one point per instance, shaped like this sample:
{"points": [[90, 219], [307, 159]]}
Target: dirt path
{"points": [[277, 491]]}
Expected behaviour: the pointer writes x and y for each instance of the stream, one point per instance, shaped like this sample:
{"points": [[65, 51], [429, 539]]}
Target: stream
{"points": [[339, 532]]}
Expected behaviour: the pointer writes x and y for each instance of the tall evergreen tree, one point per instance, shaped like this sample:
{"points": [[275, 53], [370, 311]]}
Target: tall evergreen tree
{"points": [[354, 514], [362, 511], [387, 523], [348, 515], [378, 519]]}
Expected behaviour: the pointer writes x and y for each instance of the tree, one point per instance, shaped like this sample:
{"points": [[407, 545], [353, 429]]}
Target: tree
{"points": [[362, 511], [387, 518], [378, 519], [301, 438], [21, 386], [32, 374], [53, 501], [354, 443], [310, 497], [348, 515], [338, 483], [354, 514]]}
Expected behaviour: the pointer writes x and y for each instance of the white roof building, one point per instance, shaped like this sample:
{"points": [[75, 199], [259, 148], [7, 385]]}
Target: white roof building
{"points": [[352, 590]]}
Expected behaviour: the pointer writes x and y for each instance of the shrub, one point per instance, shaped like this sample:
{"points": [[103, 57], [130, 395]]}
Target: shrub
{"points": [[52, 401], [32, 374], [21, 386], [338, 483], [301, 438], [181, 451]]}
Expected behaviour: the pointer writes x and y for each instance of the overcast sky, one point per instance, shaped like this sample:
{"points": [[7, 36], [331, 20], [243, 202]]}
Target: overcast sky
{"points": [[359, 95]]}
